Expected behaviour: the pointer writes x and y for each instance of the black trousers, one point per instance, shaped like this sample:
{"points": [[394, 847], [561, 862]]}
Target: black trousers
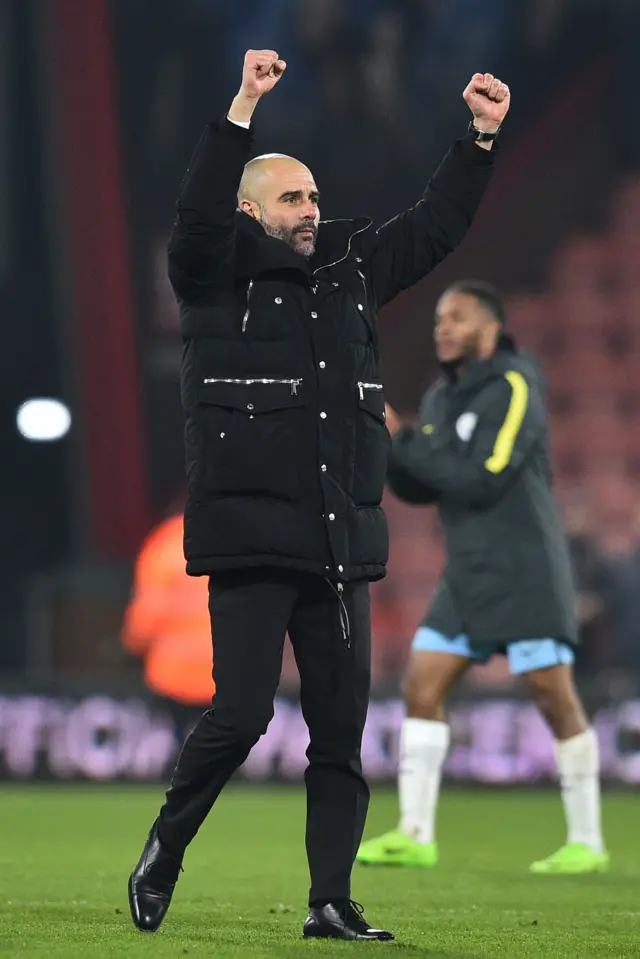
{"points": [[251, 611]]}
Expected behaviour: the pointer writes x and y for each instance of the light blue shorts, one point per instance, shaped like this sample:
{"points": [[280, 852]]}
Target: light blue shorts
{"points": [[524, 655]]}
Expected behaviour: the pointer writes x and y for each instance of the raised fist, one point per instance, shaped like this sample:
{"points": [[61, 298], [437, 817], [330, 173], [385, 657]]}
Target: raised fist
{"points": [[262, 70], [489, 100]]}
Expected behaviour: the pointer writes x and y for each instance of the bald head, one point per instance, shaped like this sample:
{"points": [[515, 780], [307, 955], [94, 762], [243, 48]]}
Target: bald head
{"points": [[261, 170], [281, 194]]}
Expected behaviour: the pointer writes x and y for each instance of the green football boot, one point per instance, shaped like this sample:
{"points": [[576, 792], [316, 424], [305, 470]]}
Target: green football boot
{"points": [[570, 860], [395, 849]]}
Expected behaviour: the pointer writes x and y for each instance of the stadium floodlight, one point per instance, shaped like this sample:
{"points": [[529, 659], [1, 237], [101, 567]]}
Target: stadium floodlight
{"points": [[43, 420]]}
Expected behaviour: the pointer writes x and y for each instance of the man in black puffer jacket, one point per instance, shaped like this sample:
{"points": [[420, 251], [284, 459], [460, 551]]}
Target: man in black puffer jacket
{"points": [[287, 448]]}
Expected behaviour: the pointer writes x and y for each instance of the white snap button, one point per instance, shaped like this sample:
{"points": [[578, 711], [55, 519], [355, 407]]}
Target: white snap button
{"points": [[322, 364], [332, 516], [278, 300], [314, 315], [340, 569], [323, 467], [323, 416], [250, 406], [360, 307]]}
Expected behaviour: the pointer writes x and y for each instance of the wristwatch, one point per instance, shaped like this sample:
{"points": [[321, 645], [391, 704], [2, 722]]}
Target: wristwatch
{"points": [[480, 136]]}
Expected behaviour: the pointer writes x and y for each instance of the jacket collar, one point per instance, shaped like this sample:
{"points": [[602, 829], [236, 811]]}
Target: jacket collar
{"points": [[261, 253], [335, 239]]}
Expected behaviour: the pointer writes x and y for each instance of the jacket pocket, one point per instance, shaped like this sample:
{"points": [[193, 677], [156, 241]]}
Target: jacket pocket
{"points": [[372, 445], [482, 583], [252, 430]]}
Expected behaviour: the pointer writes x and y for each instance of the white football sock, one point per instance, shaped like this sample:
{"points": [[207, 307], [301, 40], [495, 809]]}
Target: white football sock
{"points": [[423, 749], [579, 769]]}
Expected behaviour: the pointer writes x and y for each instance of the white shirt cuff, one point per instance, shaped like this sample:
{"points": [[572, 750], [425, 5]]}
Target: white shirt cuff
{"points": [[240, 123]]}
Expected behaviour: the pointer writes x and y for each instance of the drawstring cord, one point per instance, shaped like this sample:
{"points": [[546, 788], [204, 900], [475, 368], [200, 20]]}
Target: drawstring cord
{"points": [[345, 625]]}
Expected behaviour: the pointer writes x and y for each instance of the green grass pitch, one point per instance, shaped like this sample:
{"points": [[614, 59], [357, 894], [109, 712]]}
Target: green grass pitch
{"points": [[65, 854]]}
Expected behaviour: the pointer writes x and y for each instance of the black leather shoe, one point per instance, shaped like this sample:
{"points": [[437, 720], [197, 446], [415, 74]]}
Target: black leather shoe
{"points": [[152, 882], [341, 921]]}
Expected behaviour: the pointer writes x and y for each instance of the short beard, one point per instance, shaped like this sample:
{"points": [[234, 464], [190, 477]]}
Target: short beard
{"points": [[289, 236]]}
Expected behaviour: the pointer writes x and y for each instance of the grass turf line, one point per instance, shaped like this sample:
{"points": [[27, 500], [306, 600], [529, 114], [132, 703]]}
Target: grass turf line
{"points": [[65, 854]]}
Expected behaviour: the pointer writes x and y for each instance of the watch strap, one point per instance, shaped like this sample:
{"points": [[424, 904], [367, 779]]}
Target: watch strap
{"points": [[480, 136]]}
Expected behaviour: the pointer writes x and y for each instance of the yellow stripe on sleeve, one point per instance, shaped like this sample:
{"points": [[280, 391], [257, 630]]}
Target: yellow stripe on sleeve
{"points": [[506, 438]]}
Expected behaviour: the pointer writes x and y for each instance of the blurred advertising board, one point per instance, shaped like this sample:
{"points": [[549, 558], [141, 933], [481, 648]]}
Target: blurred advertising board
{"points": [[105, 738]]}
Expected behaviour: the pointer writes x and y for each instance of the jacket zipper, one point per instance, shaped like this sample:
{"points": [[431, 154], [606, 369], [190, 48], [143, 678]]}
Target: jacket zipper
{"points": [[368, 386], [245, 318], [342, 258], [294, 384]]}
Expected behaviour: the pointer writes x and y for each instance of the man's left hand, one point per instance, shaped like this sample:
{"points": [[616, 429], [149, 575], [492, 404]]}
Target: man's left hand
{"points": [[488, 99]]}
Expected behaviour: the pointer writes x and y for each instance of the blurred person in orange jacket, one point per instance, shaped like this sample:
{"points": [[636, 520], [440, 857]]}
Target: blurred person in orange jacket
{"points": [[167, 620]]}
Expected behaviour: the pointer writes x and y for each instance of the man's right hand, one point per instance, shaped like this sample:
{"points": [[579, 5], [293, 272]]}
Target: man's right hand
{"points": [[262, 70], [393, 421]]}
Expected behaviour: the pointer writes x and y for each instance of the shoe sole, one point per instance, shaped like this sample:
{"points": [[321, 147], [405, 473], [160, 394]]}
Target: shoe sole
{"points": [[337, 938], [596, 868], [570, 872], [315, 935]]}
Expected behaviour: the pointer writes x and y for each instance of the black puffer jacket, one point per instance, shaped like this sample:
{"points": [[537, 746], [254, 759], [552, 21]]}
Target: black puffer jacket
{"points": [[286, 442]]}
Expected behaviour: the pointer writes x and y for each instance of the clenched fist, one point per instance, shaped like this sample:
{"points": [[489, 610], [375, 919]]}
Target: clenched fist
{"points": [[262, 70], [489, 100]]}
